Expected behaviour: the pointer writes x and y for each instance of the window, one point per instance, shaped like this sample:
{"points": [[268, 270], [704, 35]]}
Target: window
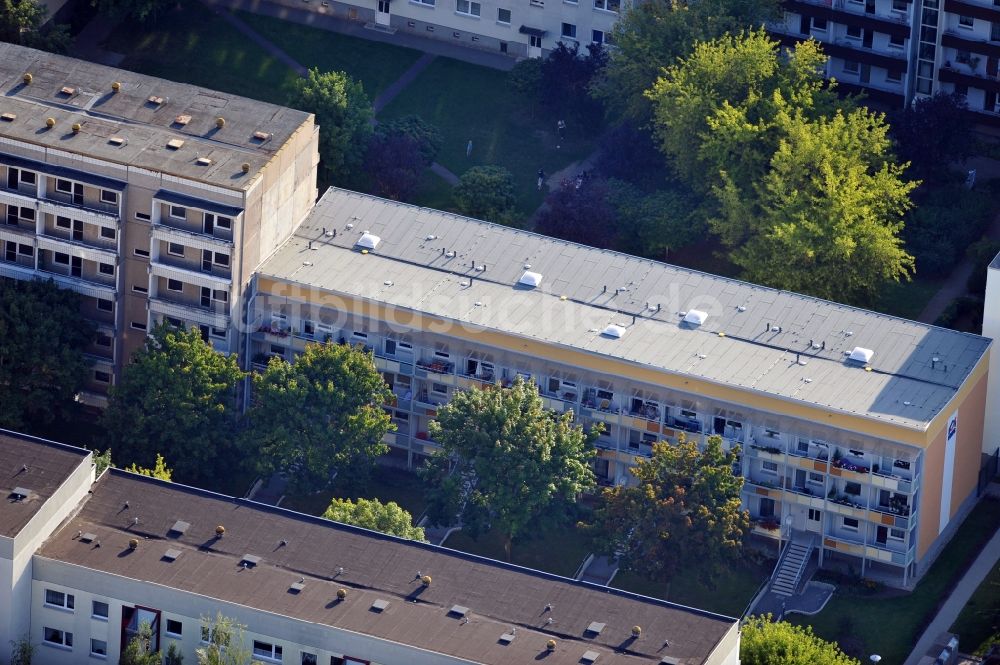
{"points": [[767, 508], [105, 305], [534, 41], [896, 41], [965, 21], [897, 534], [815, 478], [439, 388], [26, 250], [102, 377], [136, 325], [63, 222], [28, 177], [851, 67], [266, 651], [814, 515], [64, 186], [893, 77], [901, 464], [308, 328], [143, 216], [174, 628], [854, 489], [568, 30], [802, 447], [850, 524], [218, 332], [105, 341], [99, 610], [503, 16], [308, 658], [98, 648], [64, 601], [141, 253], [221, 259], [468, 7], [175, 285], [178, 212], [57, 638], [224, 223], [108, 233], [899, 5], [819, 24], [28, 214], [597, 36], [175, 249], [607, 5], [854, 32], [221, 296], [61, 259], [107, 196], [106, 269], [207, 634], [769, 467]]}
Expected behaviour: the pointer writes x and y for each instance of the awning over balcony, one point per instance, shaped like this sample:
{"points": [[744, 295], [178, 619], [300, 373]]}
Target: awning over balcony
{"points": [[173, 198], [536, 32]]}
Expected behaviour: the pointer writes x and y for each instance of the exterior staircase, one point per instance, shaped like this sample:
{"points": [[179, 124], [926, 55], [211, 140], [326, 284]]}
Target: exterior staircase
{"points": [[788, 573]]}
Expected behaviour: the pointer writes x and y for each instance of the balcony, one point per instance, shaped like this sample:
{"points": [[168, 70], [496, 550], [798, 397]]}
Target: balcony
{"points": [[79, 284], [436, 366], [963, 8], [973, 80], [196, 277], [200, 315], [837, 11], [204, 241], [961, 41], [65, 200], [77, 248]]}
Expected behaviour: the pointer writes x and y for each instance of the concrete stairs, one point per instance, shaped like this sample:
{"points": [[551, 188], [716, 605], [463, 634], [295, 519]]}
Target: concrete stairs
{"points": [[788, 572]]}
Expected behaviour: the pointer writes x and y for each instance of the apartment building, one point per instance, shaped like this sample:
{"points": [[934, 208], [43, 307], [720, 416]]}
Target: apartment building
{"points": [[991, 329], [135, 550], [859, 432], [154, 200], [896, 50]]}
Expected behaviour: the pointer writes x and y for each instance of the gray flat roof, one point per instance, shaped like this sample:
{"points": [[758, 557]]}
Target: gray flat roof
{"points": [[324, 556], [145, 127], [754, 338], [35, 468]]}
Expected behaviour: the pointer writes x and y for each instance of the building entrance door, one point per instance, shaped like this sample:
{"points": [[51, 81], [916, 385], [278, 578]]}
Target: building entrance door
{"points": [[382, 13], [534, 46]]}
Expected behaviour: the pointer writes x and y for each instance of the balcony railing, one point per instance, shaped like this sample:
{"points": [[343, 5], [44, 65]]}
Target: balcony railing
{"points": [[436, 366], [93, 206]]}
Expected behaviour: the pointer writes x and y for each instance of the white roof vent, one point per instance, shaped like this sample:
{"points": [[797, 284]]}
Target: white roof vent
{"points": [[613, 331], [531, 279], [862, 355], [368, 241], [695, 317]]}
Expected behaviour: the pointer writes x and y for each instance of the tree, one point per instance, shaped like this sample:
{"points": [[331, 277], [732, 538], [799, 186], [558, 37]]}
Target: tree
{"points": [[579, 213], [22, 21], [566, 79], [505, 462], [173, 655], [933, 134], [651, 35], [225, 641], [427, 137], [767, 642], [373, 514], [486, 192], [319, 417], [654, 224], [394, 164], [343, 112], [102, 461], [141, 10], [42, 367], [177, 395], [21, 651], [525, 80], [139, 651], [159, 470], [804, 188], [684, 510]]}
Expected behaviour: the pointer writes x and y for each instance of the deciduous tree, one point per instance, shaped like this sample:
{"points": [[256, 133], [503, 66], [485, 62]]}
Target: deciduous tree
{"points": [[319, 416], [394, 164], [343, 112], [580, 212], [505, 461], [767, 642], [934, 134], [176, 396], [373, 514], [22, 21], [139, 651], [427, 137], [652, 35], [160, 471], [42, 340], [225, 642], [684, 510], [142, 10], [486, 192]]}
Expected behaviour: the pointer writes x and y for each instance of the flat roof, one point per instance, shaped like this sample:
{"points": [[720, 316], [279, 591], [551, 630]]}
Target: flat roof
{"points": [[753, 338], [298, 549], [33, 466], [76, 91]]}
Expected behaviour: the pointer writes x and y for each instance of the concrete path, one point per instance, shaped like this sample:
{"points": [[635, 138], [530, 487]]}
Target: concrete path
{"points": [[315, 15], [959, 597], [402, 82], [601, 570], [260, 40]]}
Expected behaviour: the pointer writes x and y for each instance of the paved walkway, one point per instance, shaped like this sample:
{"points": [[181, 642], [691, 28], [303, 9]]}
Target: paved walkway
{"points": [[959, 597], [259, 39], [402, 82], [315, 15]]}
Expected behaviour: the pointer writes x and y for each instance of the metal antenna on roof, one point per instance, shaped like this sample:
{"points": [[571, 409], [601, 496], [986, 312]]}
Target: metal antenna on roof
{"points": [[633, 319], [126, 504], [822, 345], [657, 307], [605, 289], [767, 326], [797, 358]]}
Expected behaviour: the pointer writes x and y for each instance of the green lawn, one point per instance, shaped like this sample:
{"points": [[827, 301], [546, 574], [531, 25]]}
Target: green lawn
{"points": [[559, 551], [375, 64], [907, 299], [978, 625], [891, 625], [466, 102], [193, 45], [729, 595], [386, 484]]}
